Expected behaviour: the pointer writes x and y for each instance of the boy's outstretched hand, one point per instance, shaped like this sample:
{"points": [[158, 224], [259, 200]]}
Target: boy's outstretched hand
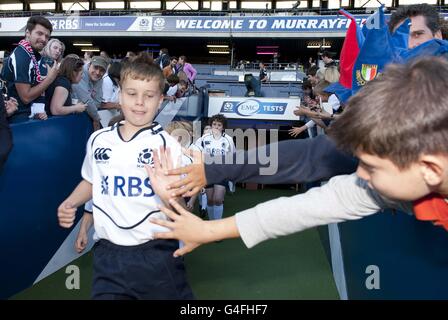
{"points": [[184, 226], [194, 179], [66, 214]]}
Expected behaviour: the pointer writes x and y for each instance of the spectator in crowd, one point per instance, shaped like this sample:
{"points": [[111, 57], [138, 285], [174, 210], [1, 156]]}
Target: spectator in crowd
{"points": [[310, 63], [177, 88], [88, 55], [314, 76], [172, 88], [163, 59], [75, 56], [425, 23], [171, 68], [327, 58], [183, 89], [54, 50], [90, 89], [331, 74], [263, 77], [58, 96], [130, 54], [240, 65], [111, 90], [275, 60], [253, 86], [111, 87], [106, 56], [144, 57], [312, 113], [23, 72], [184, 66]]}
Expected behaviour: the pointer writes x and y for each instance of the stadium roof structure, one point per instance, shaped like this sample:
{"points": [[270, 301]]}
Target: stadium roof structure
{"points": [[198, 7]]}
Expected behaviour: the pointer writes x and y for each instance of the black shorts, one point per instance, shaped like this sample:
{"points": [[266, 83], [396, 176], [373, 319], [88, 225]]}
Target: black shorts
{"points": [[224, 184], [145, 271]]}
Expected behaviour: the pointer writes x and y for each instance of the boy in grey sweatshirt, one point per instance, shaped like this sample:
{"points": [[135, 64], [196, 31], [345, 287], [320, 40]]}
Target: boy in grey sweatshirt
{"points": [[396, 126]]}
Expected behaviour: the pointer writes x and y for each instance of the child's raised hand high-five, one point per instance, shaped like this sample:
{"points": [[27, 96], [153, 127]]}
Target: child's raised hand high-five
{"points": [[163, 162]]}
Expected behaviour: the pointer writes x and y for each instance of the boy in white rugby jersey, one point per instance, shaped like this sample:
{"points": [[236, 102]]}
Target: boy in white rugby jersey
{"points": [[128, 262]]}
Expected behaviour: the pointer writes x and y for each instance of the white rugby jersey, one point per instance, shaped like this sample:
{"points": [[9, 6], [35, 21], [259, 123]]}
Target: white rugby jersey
{"points": [[221, 146], [123, 198], [186, 159]]}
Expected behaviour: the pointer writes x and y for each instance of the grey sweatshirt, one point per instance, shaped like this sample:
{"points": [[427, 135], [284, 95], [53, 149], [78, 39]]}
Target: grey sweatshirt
{"points": [[299, 161], [343, 198], [89, 92]]}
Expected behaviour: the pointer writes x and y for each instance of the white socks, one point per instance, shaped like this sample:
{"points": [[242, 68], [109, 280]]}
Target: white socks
{"points": [[215, 212], [218, 211]]}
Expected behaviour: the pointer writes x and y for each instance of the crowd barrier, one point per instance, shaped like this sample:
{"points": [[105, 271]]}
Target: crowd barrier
{"points": [[43, 168], [269, 90], [388, 256]]}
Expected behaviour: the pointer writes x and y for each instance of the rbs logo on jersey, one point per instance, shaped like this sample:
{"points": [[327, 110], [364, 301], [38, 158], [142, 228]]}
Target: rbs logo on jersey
{"points": [[130, 187]]}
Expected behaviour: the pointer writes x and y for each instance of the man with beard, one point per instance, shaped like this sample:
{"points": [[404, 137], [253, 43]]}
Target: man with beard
{"points": [[24, 73]]}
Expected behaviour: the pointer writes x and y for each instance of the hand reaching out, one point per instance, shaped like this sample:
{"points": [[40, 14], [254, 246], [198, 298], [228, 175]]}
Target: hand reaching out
{"points": [[193, 179], [184, 226], [163, 162], [295, 131]]}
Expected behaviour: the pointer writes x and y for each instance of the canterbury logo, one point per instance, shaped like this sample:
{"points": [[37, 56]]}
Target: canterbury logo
{"points": [[101, 154]]}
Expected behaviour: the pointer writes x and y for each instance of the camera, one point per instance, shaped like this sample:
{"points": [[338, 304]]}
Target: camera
{"points": [[47, 60]]}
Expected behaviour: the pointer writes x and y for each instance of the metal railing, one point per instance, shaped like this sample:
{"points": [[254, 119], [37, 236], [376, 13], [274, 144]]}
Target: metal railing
{"points": [[241, 12], [254, 66]]}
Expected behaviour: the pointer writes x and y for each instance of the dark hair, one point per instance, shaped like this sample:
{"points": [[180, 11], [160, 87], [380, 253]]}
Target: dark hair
{"points": [[184, 58], [183, 82], [172, 79], [319, 89], [328, 54], [143, 57], [173, 58], [89, 53], [218, 118], [142, 71], [69, 65], [35, 20], [114, 72], [306, 85], [443, 28], [428, 12], [164, 50], [400, 115], [312, 71]]}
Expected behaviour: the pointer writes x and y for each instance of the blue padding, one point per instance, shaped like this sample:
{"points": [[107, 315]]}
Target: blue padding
{"points": [[42, 169], [412, 257]]}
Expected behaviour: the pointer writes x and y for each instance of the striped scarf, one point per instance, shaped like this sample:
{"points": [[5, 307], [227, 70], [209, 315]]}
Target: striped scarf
{"points": [[27, 47]]}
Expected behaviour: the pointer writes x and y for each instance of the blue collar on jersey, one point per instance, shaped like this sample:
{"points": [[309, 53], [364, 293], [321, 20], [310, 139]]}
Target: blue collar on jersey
{"points": [[155, 128]]}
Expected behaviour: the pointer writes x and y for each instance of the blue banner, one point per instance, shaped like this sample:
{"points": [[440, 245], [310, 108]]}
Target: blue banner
{"points": [[193, 25], [189, 24], [251, 107]]}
